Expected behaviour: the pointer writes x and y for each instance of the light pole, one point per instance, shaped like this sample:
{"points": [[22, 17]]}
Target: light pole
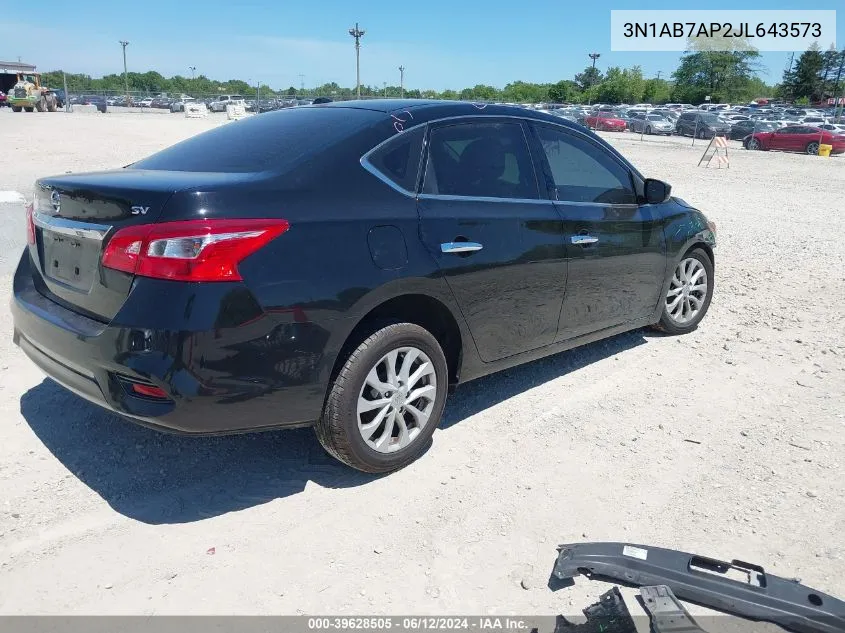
{"points": [[124, 44], [357, 34], [385, 90], [594, 57], [402, 81], [193, 70]]}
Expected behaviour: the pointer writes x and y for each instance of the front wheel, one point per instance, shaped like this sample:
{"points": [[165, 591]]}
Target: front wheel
{"points": [[386, 401], [689, 294], [813, 148], [28, 109], [648, 130], [16, 108]]}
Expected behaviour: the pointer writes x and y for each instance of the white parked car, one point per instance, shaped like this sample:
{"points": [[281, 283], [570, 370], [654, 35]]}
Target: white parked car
{"points": [[220, 103], [145, 103]]}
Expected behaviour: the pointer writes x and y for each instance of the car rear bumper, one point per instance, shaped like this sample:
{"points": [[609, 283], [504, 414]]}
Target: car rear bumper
{"points": [[255, 375]]}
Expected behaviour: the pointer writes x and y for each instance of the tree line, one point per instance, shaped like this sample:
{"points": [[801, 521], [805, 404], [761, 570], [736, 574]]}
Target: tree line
{"points": [[730, 76], [815, 76]]}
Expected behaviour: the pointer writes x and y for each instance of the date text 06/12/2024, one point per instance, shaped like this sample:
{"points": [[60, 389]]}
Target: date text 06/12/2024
{"points": [[485, 624]]}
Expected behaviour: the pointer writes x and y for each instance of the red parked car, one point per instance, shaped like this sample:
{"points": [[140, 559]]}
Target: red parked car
{"points": [[795, 138], [605, 121]]}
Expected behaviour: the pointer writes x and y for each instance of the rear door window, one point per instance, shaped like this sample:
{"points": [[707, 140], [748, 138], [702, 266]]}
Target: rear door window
{"points": [[273, 142], [486, 160]]}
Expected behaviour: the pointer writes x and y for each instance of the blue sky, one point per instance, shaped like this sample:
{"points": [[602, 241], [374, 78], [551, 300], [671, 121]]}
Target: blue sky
{"points": [[442, 43]]}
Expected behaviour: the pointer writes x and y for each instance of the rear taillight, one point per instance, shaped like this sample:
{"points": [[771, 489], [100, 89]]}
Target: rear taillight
{"points": [[194, 250], [30, 224], [148, 391]]}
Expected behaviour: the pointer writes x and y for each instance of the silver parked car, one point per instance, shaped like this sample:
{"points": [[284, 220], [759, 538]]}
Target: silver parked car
{"points": [[652, 124]]}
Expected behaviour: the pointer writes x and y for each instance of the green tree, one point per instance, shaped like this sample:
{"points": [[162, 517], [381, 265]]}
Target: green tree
{"points": [[724, 75], [657, 91], [590, 77], [805, 77], [564, 91]]}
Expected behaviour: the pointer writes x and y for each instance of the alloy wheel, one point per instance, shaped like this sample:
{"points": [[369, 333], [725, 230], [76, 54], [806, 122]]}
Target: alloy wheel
{"points": [[813, 148], [397, 399], [753, 144], [687, 291]]}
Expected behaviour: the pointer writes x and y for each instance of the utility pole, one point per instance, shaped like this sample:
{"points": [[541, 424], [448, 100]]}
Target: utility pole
{"points": [[385, 90], [594, 57], [402, 81], [837, 108], [301, 82], [357, 34], [124, 44]]}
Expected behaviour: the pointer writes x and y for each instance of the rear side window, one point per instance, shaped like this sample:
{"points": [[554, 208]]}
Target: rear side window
{"points": [[398, 159], [485, 160], [584, 172], [274, 142]]}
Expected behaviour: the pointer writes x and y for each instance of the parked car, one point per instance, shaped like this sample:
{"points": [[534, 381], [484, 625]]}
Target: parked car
{"points": [[178, 105], [701, 124], [652, 124], [95, 100], [219, 104], [3, 100], [467, 267], [60, 96], [145, 103], [796, 138], [741, 129], [607, 121], [836, 128]]}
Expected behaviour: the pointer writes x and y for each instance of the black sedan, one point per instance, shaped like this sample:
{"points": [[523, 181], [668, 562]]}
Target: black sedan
{"points": [[741, 129], [344, 265]]}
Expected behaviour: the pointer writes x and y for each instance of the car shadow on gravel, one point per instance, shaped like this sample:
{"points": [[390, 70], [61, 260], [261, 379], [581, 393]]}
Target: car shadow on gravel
{"points": [[481, 394], [158, 478]]}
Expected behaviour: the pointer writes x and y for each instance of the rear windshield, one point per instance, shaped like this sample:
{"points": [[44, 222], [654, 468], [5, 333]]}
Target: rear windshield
{"points": [[274, 141]]}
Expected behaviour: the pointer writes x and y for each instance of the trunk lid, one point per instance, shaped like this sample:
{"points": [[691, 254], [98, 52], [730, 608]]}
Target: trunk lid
{"points": [[75, 215]]}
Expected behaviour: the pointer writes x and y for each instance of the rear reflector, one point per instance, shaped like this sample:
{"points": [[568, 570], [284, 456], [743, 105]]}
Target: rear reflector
{"points": [[30, 225], [194, 250], [148, 390]]}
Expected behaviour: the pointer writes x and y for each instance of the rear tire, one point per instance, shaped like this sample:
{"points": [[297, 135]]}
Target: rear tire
{"points": [[343, 426], [28, 109], [684, 291], [813, 148], [754, 144], [41, 104], [16, 108], [648, 130]]}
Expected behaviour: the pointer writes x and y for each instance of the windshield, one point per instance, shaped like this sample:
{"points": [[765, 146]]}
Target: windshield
{"points": [[710, 118], [655, 117]]}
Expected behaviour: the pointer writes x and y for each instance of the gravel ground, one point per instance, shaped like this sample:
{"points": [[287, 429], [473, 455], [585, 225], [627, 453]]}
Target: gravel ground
{"points": [[727, 442]]}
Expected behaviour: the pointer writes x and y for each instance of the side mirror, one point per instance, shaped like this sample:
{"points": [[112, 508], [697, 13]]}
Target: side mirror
{"points": [[656, 191]]}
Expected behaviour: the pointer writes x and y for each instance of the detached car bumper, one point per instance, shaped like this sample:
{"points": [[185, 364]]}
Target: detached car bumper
{"points": [[218, 376]]}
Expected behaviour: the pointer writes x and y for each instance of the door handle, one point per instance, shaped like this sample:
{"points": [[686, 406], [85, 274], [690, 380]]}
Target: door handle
{"points": [[460, 247], [584, 239]]}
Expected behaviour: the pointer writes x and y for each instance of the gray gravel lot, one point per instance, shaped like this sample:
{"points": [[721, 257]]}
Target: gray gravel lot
{"points": [[100, 516]]}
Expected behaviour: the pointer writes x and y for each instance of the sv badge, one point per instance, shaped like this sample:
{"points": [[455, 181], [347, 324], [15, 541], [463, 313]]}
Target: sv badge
{"points": [[140, 210]]}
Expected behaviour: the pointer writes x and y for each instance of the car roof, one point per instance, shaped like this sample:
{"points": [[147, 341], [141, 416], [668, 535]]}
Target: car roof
{"points": [[424, 110]]}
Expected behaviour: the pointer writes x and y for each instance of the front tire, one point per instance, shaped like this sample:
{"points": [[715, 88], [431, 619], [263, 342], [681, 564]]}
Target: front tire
{"points": [[386, 400], [648, 130], [688, 297], [16, 108]]}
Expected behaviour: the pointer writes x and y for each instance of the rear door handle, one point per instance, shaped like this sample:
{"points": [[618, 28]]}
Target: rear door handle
{"points": [[460, 247], [584, 239]]}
